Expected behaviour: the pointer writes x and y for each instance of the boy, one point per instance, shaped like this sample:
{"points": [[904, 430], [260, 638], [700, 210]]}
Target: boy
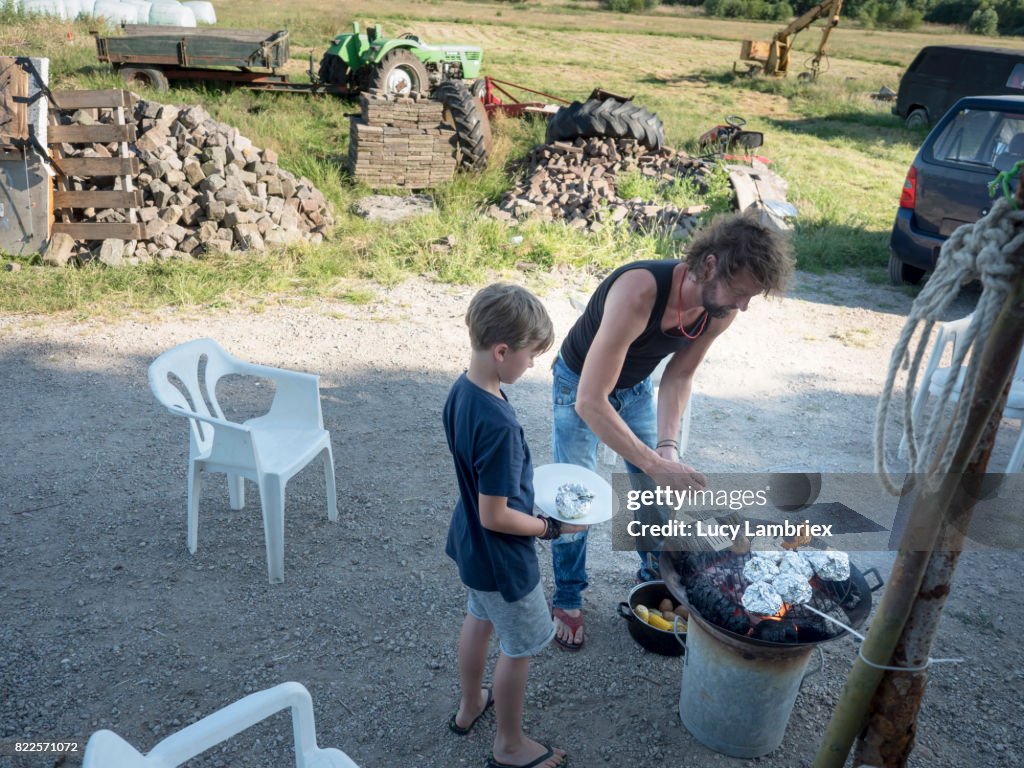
{"points": [[493, 528]]}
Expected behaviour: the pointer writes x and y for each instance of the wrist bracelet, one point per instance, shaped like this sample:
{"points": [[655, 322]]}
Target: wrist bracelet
{"points": [[552, 529], [667, 443]]}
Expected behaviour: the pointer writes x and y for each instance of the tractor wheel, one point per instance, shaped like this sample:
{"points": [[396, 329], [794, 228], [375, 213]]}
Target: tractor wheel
{"points": [[469, 118], [137, 77], [479, 88], [608, 117], [399, 72], [333, 70]]}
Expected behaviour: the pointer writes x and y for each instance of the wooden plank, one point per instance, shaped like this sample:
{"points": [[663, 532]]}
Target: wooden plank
{"points": [[87, 167], [100, 231], [68, 100], [74, 198], [92, 134], [13, 115]]}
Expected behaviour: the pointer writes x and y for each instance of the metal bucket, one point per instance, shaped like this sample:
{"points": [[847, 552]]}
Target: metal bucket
{"points": [[736, 697]]}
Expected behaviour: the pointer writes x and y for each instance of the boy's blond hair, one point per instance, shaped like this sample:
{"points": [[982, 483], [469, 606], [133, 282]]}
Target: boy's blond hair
{"points": [[504, 313]]}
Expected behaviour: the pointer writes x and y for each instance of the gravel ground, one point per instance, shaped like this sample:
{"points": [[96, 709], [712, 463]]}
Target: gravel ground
{"points": [[109, 622]]}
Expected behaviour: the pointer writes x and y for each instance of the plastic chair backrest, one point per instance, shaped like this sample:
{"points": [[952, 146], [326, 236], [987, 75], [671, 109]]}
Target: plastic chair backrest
{"points": [[198, 365], [108, 750]]}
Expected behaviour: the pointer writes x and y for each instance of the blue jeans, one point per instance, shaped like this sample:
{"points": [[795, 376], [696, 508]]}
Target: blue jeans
{"points": [[573, 442]]}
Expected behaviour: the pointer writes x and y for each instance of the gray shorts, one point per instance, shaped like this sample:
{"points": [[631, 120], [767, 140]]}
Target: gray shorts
{"points": [[524, 627]]}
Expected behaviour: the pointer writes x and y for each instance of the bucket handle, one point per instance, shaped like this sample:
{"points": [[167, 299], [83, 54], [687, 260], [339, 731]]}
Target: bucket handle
{"points": [[680, 638], [818, 670]]}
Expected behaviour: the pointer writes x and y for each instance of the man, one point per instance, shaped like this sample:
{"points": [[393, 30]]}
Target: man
{"points": [[640, 314]]}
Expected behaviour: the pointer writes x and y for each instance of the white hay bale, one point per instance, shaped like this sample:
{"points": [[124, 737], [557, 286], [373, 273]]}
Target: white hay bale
{"points": [[173, 14], [203, 10]]}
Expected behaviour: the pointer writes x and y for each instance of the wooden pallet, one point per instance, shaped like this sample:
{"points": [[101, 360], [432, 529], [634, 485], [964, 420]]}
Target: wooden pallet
{"points": [[124, 167]]}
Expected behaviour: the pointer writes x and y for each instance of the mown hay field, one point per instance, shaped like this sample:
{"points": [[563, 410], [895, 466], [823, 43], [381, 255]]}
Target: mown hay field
{"points": [[843, 153]]}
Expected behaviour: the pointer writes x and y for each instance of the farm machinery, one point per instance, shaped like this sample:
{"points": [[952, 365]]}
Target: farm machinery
{"points": [[772, 58]]}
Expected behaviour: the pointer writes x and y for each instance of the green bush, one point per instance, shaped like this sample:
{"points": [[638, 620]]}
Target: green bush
{"points": [[984, 22], [628, 6]]}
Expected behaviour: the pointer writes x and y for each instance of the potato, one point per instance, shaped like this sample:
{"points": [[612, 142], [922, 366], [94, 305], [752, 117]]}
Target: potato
{"points": [[665, 606], [681, 612]]}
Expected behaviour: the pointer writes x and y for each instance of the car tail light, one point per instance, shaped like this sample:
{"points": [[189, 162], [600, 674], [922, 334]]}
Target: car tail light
{"points": [[908, 197]]}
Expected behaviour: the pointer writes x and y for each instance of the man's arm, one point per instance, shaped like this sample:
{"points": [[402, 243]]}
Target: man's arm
{"points": [[677, 383], [627, 309]]}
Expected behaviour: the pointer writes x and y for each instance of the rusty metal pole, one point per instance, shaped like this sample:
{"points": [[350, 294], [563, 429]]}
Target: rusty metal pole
{"points": [[888, 738], [929, 517]]}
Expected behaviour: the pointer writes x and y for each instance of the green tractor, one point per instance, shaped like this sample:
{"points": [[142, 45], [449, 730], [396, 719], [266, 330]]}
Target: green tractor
{"points": [[367, 61], [364, 61]]}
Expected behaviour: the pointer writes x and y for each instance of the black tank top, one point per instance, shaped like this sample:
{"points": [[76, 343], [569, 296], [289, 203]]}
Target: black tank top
{"points": [[649, 348]]}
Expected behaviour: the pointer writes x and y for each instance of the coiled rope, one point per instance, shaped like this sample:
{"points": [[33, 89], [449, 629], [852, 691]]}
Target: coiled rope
{"points": [[979, 251]]}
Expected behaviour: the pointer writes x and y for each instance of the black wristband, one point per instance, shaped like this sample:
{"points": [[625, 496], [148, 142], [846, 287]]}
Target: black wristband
{"points": [[552, 529]]}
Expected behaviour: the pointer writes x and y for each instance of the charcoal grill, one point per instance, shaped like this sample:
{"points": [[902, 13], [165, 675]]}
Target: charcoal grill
{"points": [[745, 668]]}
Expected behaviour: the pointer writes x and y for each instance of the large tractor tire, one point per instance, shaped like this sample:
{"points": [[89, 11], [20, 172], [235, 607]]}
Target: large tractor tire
{"points": [[399, 72], [333, 70], [608, 117], [469, 118]]}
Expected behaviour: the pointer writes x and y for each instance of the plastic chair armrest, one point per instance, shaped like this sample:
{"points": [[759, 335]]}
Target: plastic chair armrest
{"points": [[296, 398], [177, 410]]}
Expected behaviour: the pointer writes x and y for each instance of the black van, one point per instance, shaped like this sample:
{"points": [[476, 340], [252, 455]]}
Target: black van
{"points": [[941, 74]]}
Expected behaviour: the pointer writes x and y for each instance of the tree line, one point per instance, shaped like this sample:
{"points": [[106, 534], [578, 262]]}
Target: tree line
{"points": [[980, 17]]}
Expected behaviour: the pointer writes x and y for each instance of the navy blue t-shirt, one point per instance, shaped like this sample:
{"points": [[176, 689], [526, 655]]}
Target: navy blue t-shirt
{"points": [[491, 457]]}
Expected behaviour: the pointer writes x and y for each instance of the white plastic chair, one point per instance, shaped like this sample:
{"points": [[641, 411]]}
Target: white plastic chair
{"points": [[106, 749], [269, 450], [936, 375], [608, 456]]}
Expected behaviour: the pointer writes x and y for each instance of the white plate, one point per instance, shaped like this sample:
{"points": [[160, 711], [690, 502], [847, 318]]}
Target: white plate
{"points": [[550, 477]]}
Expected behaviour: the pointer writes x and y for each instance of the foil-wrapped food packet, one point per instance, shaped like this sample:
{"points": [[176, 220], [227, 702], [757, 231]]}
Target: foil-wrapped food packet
{"points": [[830, 564], [573, 500], [761, 597], [795, 563], [793, 589], [760, 568]]}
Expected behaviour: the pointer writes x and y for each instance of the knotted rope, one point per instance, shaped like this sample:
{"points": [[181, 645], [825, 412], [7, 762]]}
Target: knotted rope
{"points": [[974, 251]]}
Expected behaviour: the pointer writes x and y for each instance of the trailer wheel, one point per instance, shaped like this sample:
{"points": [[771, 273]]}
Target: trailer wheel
{"points": [[609, 117], [469, 118], [138, 77], [399, 72]]}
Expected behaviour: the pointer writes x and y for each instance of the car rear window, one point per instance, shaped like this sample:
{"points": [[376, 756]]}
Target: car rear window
{"points": [[977, 136]]}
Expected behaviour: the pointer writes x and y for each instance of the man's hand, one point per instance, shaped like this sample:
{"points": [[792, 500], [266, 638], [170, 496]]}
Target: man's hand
{"points": [[676, 474]]}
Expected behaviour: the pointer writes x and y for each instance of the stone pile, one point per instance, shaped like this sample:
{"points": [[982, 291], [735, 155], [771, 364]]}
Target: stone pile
{"points": [[206, 189], [401, 141], [576, 183]]}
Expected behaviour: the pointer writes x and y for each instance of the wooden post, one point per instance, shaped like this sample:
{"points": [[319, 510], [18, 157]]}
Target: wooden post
{"points": [[888, 738], [930, 517]]}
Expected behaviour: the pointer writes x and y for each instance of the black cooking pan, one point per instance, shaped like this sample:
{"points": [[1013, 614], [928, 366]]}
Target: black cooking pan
{"points": [[662, 641]]}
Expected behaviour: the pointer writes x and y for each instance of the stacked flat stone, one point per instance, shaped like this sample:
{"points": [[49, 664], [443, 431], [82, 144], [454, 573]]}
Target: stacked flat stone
{"points": [[576, 183], [401, 141], [206, 189]]}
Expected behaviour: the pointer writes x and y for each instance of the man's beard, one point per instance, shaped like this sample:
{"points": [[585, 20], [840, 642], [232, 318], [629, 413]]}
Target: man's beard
{"points": [[715, 311]]}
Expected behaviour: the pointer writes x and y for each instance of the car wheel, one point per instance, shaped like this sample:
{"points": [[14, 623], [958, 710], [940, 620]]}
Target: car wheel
{"points": [[903, 274], [918, 118]]}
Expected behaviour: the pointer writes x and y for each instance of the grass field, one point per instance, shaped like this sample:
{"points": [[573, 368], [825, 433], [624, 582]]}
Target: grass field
{"points": [[843, 153]]}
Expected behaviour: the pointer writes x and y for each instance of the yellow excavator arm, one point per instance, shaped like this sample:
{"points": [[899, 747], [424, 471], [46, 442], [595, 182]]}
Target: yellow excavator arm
{"points": [[773, 57]]}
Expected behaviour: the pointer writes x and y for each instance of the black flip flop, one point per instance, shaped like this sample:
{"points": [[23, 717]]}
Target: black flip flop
{"points": [[457, 729], [492, 763]]}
